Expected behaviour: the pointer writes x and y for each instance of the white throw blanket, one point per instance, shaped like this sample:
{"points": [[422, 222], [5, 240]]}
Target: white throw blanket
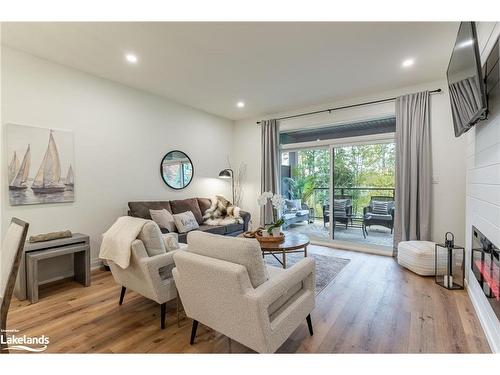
{"points": [[222, 212], [117, 241]]}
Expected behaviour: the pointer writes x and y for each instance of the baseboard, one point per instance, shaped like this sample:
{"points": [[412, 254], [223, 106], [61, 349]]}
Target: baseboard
{"points": [[486, 316], [344, 245], [94, 265]]}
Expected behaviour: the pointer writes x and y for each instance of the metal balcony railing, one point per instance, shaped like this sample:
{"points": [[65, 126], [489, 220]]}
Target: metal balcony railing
{"points": [[360, 197]]}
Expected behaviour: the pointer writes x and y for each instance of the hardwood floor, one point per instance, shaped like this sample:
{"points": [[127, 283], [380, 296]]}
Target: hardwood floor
{"points": [[373, 306]]}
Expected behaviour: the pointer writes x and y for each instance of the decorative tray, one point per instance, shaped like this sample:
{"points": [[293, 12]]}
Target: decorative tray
{"points": [[268, 239]]}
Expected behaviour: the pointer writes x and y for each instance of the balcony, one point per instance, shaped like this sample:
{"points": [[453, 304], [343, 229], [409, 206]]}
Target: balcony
{"points": [[350, 230]]}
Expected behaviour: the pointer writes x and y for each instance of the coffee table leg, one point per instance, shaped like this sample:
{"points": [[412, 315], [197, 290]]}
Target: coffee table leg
{"points": [[305, 251], [284, 259]]}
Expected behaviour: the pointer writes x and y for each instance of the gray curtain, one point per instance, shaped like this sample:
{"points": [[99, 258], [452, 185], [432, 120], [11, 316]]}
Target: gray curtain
{"points": [[413, 169], [269, 165]]}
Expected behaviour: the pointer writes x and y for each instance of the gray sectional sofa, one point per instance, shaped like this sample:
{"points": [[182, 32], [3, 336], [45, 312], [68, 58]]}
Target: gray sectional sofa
{"points": [[197, 206]]}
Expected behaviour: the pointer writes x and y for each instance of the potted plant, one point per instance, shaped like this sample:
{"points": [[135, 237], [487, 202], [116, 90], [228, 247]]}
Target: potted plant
{"points": [[278, 202]]}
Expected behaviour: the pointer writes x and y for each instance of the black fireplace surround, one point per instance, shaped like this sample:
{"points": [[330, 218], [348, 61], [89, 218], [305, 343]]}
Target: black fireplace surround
{"points": [[485, 264]]}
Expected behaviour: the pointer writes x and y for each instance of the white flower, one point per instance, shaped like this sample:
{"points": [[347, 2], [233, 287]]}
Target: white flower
{"points": [[262, 200], [278, 201]]}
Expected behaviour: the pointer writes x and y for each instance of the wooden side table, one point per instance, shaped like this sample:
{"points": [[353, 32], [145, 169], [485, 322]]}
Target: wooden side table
{"points": [[34, 255]]}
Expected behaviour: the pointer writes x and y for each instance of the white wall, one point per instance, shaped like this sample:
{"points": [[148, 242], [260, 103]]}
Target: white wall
{"points": [[121, 135], [483, 187], [448, 152]]}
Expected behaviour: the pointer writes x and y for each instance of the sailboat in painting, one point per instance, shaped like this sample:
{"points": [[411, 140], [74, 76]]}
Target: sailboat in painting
{"points": [[18, 182], [48, 177], [70, 178], [13, 167]]}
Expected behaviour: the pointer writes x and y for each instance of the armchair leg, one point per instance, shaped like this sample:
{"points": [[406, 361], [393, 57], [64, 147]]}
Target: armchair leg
{"points": [[163, 310], [309, 324], [122, 294], [193, 332]]}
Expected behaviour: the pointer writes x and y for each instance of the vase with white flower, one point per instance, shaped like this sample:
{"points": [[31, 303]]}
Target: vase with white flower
{"points": [[278, 203]]}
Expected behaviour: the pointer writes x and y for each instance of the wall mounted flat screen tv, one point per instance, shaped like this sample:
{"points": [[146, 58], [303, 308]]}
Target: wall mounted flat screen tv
{"points": [[465, 81]]}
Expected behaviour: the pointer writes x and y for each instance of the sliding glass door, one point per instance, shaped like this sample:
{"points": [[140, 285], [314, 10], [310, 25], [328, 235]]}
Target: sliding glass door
{"points": [[339, 182], [340, 192], [363, 194], [305, 183]]}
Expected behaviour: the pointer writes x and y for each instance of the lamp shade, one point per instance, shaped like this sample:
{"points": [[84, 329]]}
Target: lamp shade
{"points": [[225, 173]]}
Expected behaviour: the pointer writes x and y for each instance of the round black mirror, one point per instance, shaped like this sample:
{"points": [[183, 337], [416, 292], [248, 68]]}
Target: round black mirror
{"points": [[176, 169]]}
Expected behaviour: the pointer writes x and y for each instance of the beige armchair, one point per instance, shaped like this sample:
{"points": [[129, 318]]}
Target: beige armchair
{"points": [[150, 270], [224, 284], [10, 258]]}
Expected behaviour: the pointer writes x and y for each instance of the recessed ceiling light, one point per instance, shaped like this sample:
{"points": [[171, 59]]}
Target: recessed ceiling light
{"points": [[240, 104], [131, 58], [407, 63]]}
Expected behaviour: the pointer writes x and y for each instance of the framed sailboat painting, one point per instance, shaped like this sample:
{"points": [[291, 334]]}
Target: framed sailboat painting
{"points": [[41, 165]]}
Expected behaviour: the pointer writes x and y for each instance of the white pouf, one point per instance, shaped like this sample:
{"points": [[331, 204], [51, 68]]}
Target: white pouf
{"points": [[417, 256]]}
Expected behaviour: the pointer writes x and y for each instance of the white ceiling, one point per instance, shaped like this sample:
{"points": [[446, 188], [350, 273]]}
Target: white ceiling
{"points": [[273, 67]]}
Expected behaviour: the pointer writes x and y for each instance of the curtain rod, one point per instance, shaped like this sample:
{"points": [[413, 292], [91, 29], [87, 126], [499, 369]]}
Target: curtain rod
{"points": [[345, 107]]}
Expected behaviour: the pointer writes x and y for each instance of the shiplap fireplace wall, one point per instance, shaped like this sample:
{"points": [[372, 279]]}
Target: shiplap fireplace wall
{"points": [[483, 178]]}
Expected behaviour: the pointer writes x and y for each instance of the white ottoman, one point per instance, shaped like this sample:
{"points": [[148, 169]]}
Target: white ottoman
{"points": [[417, 256]]}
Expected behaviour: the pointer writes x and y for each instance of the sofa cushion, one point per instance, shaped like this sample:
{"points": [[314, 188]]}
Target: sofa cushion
{"points": [[234, 227], [185, 222], [231, 249], [289, 216], [378, 217], [302, 212], [215, 229], [204, 204], [141, 209], [151, 236], [171, 241], [184, 205], [164, 219]]}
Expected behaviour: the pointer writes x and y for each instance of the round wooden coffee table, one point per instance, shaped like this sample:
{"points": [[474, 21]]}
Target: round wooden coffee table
{"points": [[294, 243]]}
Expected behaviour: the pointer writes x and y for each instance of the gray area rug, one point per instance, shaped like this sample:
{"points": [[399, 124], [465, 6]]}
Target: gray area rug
{"points": [[327, 267]]}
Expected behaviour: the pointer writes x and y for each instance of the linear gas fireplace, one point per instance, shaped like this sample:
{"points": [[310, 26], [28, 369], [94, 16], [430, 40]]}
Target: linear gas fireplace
{"points": [[485, 265]]}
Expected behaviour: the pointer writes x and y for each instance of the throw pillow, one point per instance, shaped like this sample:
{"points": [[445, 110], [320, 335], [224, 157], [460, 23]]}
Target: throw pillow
{"points": [[339, 204], [150, 235], [164, 219], [290, 205], [171, 241], [185, 222], [380, 208], [297, 204], [183, 205]]}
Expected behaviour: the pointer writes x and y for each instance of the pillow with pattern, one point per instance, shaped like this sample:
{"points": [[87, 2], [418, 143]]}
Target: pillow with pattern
{"points": [[380, 207], [185, 222]]}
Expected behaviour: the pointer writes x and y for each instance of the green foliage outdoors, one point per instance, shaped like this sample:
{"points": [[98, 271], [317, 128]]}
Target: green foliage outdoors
{"points": [[354, 167]]}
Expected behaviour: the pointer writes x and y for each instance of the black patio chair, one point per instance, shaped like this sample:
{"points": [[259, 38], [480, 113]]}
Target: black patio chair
{"points": [[343, 216], [371, 218]]}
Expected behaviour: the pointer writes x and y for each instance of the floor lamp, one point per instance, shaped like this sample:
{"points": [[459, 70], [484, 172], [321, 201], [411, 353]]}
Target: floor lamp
{"points": [[228, 173]]}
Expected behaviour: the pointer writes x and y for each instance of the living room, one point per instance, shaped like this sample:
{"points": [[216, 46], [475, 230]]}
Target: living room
{"points": [[244, 187]]}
